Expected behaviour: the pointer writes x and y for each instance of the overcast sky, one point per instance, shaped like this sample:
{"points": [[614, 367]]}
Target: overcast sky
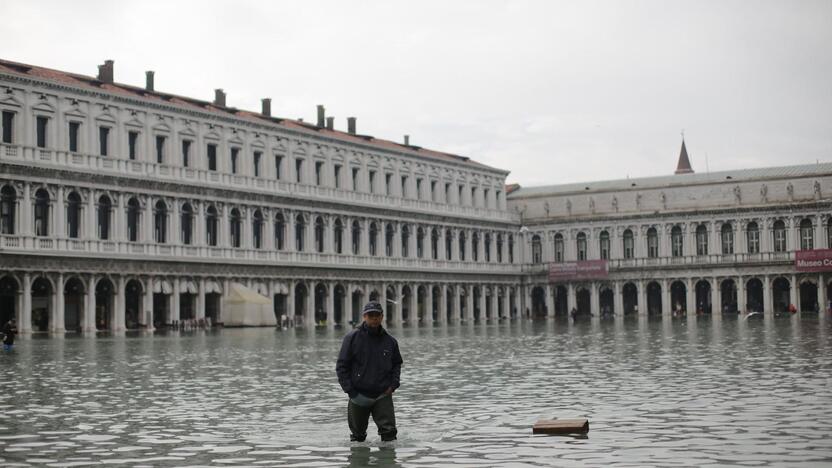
{"points": [[555, 92]]}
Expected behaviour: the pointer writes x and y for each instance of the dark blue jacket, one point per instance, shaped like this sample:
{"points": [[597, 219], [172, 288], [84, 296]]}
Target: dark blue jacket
{"points": [[369, 362]]}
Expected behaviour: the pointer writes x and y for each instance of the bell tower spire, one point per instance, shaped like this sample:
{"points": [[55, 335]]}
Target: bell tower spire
{"points": [[683, 166]]}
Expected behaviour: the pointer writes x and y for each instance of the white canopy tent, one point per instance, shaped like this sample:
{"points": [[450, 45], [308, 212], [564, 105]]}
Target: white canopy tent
{"points": [[244, 307]]}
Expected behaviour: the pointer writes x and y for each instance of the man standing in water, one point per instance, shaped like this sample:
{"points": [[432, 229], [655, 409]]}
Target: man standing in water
{"points": [[369, 366]]}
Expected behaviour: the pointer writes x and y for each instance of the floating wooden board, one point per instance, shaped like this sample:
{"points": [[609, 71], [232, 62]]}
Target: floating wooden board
{"points": [[561, 426]]}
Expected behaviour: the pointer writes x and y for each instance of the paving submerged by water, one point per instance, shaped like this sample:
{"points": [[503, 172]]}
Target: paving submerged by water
{"points": [[681, 393]]}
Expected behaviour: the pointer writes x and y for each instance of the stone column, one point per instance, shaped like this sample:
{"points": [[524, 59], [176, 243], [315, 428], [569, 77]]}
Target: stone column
{"points": [[200, 300], [793, 297], [443, 303], [25, 216], [119, 319], [768, 307], [309, 315], [690, 307], [741, 299], [716, 307], [506, 312], [25, 315], [147, 305], [667, 301], [495, 304], [483, 303], [58, 228], [571, 302], [330, 304], [517, 306], [385, 304], [429, 308], [821, 294], [57, 319], [89, 303], [594, 299], [290, 302], [550, 301], [469, 300], [413, 305], [290, 244], [618, 297], [348, 305], [88, 227], [457, 312], [397, 318], [146, 220], [174, 308]]}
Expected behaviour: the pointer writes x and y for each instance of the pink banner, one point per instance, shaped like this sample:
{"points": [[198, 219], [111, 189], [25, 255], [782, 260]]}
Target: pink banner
{"points": [[813, 260], [588, 269]]}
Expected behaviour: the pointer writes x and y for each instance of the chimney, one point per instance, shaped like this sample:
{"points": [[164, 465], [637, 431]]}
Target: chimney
{"points": [[267, 107], [321, 115], [330, 123], [407, 140], [105, 72], [149, 81], [219, 97], [351, 125]]}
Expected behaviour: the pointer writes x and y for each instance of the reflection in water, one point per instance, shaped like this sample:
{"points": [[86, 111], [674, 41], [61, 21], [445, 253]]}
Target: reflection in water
{"points": [[705, 391]]}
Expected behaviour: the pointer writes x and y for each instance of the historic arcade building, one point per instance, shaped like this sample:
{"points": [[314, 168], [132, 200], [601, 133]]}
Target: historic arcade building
{"points": [[124, 207]]}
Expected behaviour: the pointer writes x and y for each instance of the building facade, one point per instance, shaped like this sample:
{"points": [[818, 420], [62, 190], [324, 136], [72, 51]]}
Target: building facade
{"points": [[686, 243], [127, 208]]}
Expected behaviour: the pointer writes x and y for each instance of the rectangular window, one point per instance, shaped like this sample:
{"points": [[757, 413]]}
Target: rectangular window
{"points": [[418, 189], [337, 175], [73, 136], [278, 163], [212, 157], [256, 162], [103, 140], [404, 186], [319, 169], [447, 192], [160, 149], [753, 241], [132, 140], [433, 190], [372, 181], [388, 178], [497, 199], [234, 153], [299, 170], [355, 172], [459, 195], [41, 131], [473, 196], [8, 126], [186, 153], [485, 198]]}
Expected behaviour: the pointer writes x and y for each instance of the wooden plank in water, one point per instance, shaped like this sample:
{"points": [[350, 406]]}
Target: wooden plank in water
{"points": [[561, 426]]}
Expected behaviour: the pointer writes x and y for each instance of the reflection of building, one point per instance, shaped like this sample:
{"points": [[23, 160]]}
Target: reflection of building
{"points": [[124, 207], [713, 242]]}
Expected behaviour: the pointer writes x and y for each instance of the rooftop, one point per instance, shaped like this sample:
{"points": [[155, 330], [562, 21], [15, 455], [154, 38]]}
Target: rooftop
{"points": [[676, 180], [84, 81]]}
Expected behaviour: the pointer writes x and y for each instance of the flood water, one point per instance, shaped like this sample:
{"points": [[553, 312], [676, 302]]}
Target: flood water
{"points": [[675, 393]]}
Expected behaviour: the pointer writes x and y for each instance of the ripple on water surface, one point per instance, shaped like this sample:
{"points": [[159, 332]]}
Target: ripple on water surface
{"points": [[698, 392]]}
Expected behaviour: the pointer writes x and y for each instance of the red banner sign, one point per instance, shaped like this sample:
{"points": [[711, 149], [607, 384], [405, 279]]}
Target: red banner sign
{"points": [[588, 269], [813, 260]]}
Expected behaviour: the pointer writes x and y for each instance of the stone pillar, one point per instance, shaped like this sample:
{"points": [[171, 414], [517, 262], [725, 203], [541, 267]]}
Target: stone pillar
{"points": [[57, 319], [768, 306], [482, 303], [443, 303], [147, 305], [469, 301], [289, 241], [741, 299], [330, 304], [517, 305], [25, 315], [618, 298], [550, 301], [457, 312], [309, 315], [174, 307], [594, 299], [397, 319], [821, 294], [642, 298], [200, 300], [290, 302], [667, 301], [348, 304], [716, 306], [506, 312], [119, 319], [690, 308], [58, 228], [793, 292], [495, 304], [89, 303], [571, 302], [413, 304], [429, 307]]}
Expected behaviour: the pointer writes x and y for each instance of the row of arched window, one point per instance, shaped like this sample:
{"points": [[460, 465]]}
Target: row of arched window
{"points": [[382, 236], [727, 245]]}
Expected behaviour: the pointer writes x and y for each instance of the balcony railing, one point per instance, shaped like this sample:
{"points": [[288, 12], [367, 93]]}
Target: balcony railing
{"points": [[688, 261], [93, 248], [126, 167]]}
